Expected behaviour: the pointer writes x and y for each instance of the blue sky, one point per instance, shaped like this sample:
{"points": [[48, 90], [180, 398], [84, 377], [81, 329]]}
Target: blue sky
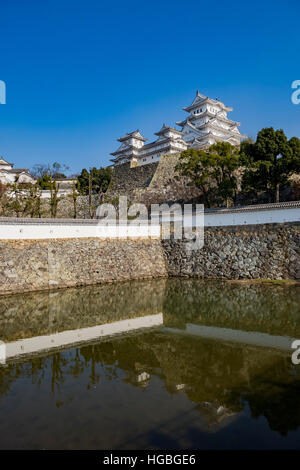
{"points": [[80, 74]]}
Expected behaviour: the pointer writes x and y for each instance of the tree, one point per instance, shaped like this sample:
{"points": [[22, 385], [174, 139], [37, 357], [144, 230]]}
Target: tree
{"points": [[57, 170], [54, 199], [83, 182], [3, 196], [246, 151], [226, 160], [34, 200], [39, 170], [44, 181], [294, 144], [74, 198], [42, 173], [59, 175], [270, 161], [94, 181], [23, 200], [17, 200], [90, 194], [197, 165], [46, 175], [213, 172]]}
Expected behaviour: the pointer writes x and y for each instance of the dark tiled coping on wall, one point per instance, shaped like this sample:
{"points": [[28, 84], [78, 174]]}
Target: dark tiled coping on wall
{"points": [[33, 221], [258, 207]]}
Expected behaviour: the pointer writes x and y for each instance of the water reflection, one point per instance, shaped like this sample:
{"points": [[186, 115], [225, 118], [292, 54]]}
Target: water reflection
{"points": [[42, 313], [267, 308], [158, 388]]}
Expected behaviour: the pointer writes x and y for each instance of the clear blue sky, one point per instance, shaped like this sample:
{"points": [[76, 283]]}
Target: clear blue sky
{"points": [[79, 74]]}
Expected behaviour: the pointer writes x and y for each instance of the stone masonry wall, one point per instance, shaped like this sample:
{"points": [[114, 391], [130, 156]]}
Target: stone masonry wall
{"points": [[242, 252], [154, 183], [27, 265], [269, 251], [166, 186], [125, 180]]}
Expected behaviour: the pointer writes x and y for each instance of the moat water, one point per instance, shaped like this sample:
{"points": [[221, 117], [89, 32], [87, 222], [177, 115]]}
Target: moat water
{"points": [[210, 368]]}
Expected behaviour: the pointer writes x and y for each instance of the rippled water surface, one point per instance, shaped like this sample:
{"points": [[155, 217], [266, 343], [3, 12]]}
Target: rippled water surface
{"points": [[192, 365]]}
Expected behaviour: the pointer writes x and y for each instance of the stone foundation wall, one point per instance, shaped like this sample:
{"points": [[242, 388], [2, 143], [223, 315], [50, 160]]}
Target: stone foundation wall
{"points": [[242, 252], [166, 186], [65, 207], [154, 183], [27, 265], [125, 180], [269, 251]]}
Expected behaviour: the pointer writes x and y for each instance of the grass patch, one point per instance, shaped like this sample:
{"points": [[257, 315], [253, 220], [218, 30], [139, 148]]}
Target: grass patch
{"points": [[281, 282]]}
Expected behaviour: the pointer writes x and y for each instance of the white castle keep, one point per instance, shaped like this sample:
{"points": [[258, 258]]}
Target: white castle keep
{"points": [[206, 125]]}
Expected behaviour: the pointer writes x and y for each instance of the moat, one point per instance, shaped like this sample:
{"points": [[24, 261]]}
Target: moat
{"points": [[212, 371]]}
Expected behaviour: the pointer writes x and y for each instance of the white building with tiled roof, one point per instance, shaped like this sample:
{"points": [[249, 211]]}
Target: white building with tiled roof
{"points": [[129, 149], [208, 124], [10, 175], [134, 150]]}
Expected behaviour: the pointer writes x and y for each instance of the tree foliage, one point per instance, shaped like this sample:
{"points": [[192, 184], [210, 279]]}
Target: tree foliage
{"points": [[270, 161], [94, 181], [44, 182], [266, 164], [226, 160], [43, 173], [213, 172], [22, 200]]}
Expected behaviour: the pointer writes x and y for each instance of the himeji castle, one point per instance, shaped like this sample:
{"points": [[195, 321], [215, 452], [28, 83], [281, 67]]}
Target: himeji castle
{"points": [[206, 124], [134, 150]]}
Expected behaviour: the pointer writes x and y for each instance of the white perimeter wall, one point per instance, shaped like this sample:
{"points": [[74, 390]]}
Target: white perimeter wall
{"points": [[252, 217], [47, 230], [38, 231], [226, 217]]}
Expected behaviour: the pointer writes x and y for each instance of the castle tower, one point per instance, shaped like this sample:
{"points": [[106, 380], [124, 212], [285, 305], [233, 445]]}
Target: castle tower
{"points": [[133, 150], [169, 141], [129, 149], [208, 124]]}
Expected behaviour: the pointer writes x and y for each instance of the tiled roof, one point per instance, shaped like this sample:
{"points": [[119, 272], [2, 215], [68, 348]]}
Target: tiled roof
{"points": [[135, 134], [167, 128]]}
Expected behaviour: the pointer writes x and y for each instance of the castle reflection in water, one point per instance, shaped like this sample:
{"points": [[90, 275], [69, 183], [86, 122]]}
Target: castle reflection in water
{"points": [[156, 363]]}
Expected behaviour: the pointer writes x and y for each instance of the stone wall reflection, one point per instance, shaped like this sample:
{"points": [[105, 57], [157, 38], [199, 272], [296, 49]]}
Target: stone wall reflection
{"points": [[272, 309], [41, 313], [266, 308]]}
